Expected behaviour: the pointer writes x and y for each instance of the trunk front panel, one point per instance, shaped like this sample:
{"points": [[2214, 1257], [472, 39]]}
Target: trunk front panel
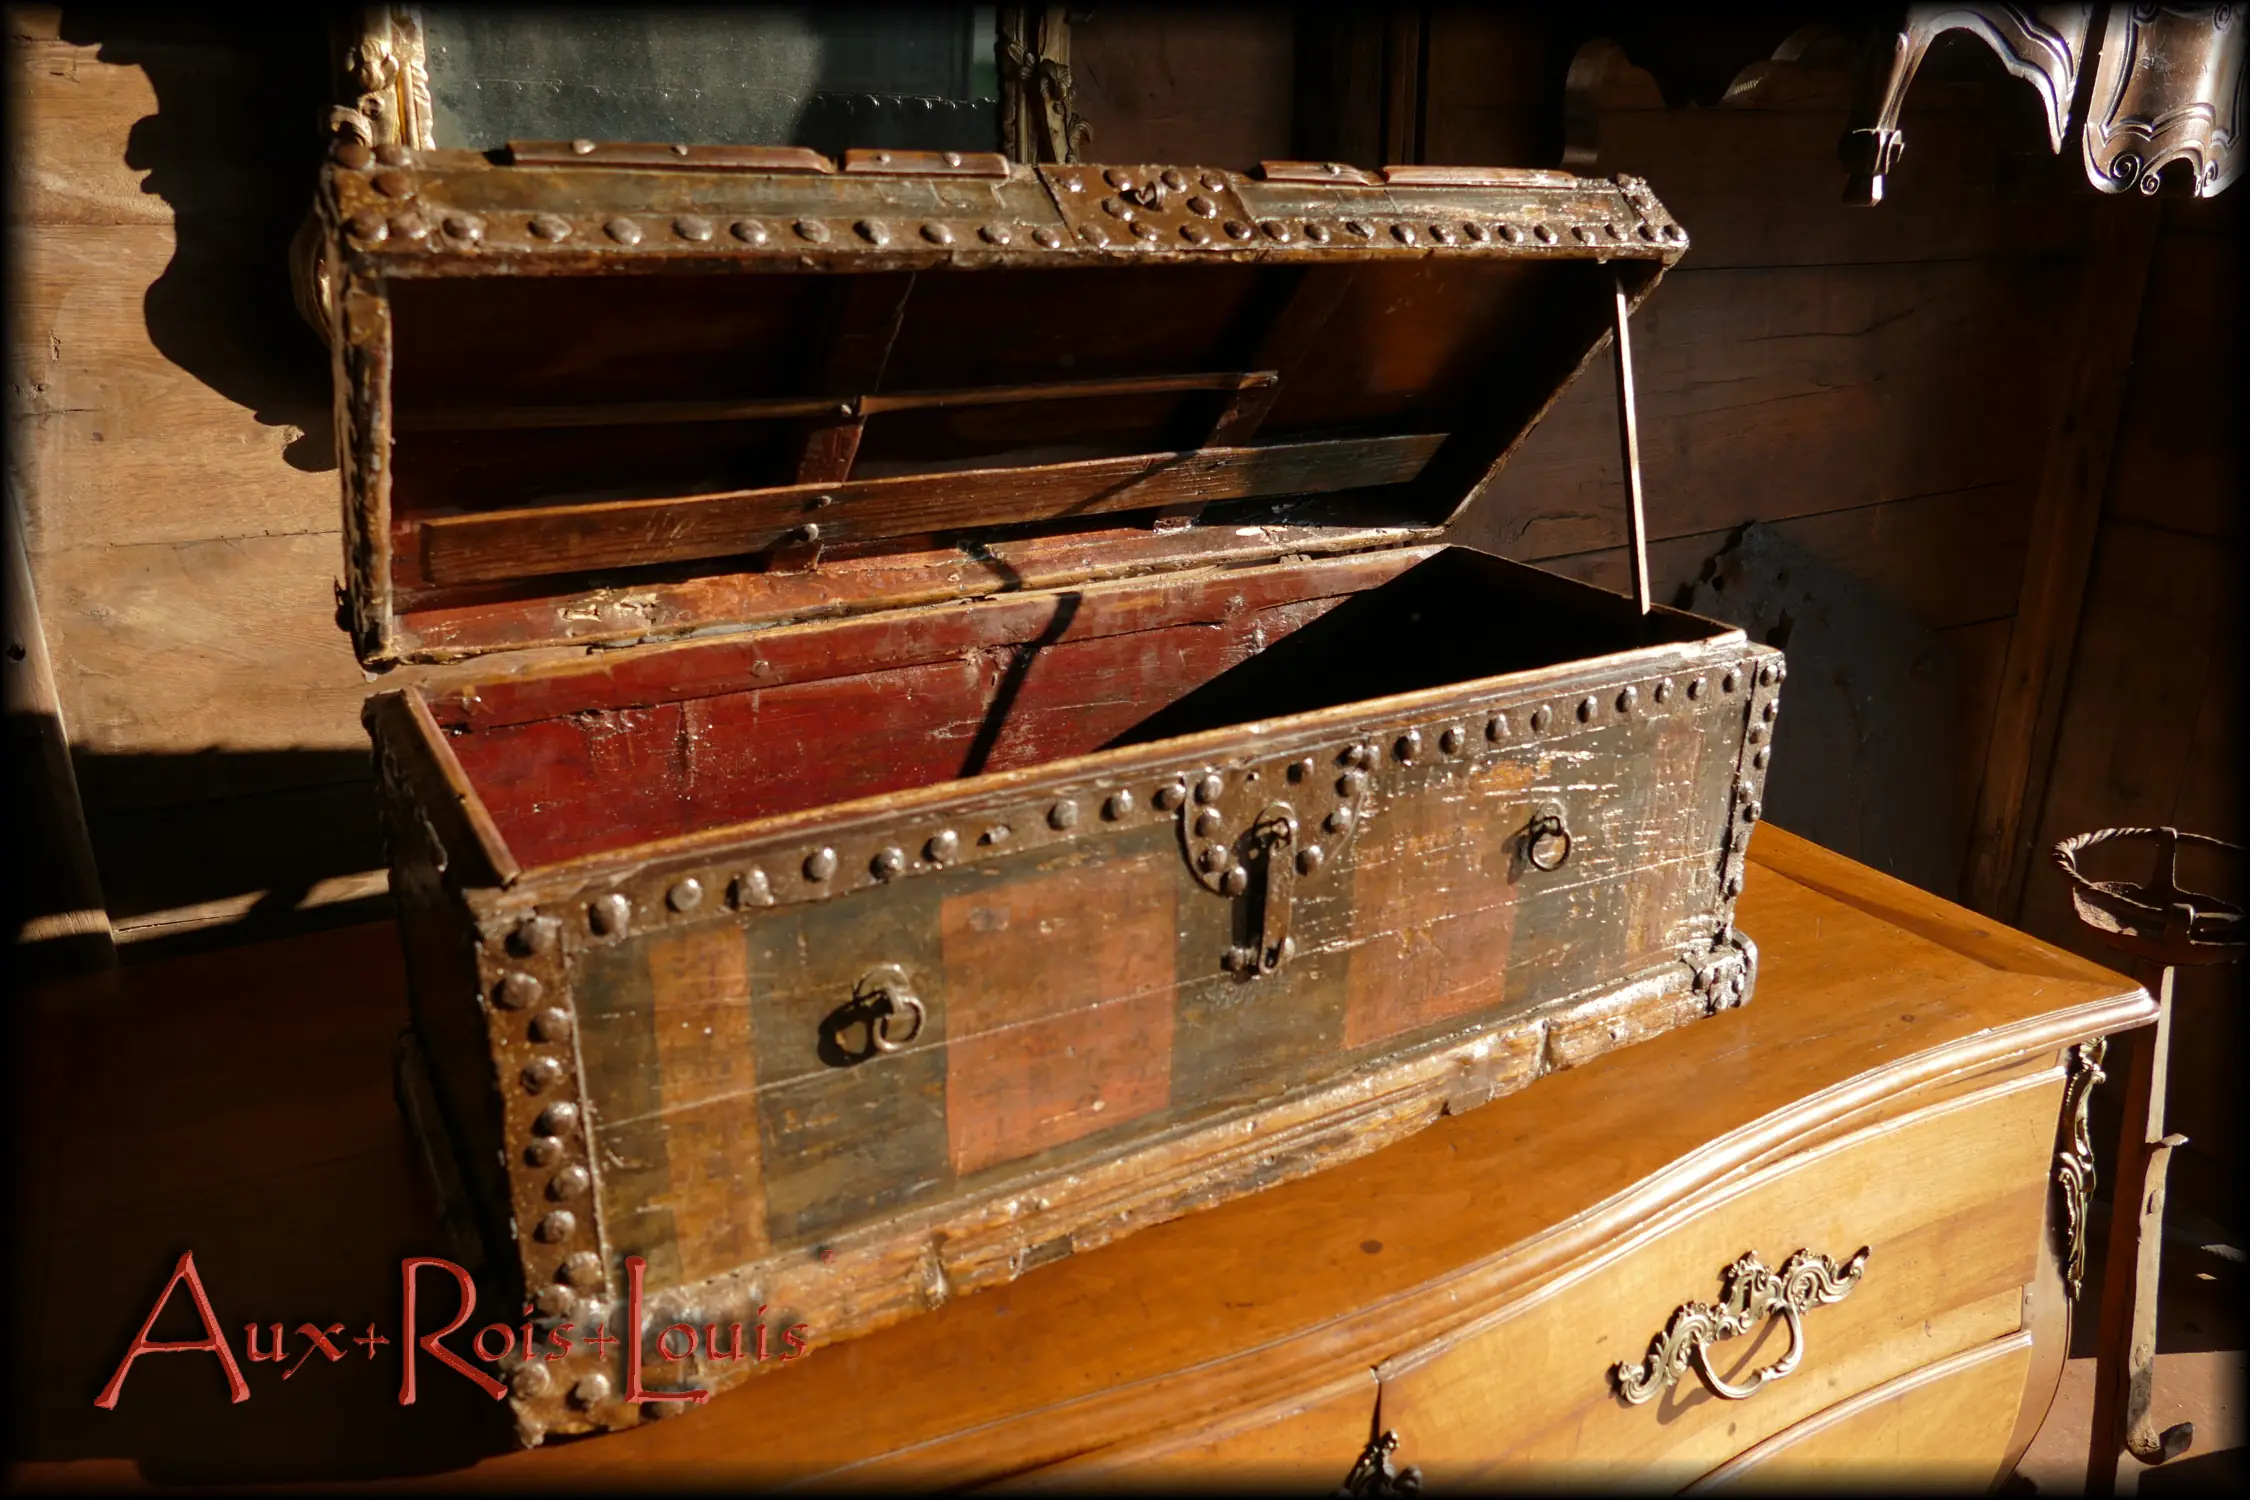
{"points": [[1075, 998]]}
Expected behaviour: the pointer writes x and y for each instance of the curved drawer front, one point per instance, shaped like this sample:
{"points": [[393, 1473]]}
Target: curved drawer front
{"points": [[1947, 1426], [1947, 1201]]}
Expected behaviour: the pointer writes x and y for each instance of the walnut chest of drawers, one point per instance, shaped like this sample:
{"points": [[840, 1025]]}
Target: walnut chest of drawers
{"points": [[1911, 1085]]}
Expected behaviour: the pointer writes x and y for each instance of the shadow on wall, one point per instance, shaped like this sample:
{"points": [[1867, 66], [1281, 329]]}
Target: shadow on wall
{"points": [[233, 149], [54, 899], [1865, 757], [293, 843]]}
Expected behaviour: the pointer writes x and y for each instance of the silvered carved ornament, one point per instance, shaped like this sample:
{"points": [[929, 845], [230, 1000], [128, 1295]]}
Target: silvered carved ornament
{"points": [[2045, 46], [2166, 89], [1750, 1295]]}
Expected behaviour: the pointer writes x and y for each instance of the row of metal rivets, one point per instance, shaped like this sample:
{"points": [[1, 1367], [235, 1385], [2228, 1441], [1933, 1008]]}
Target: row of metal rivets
{"points": [[1317, 232], [1127, 180], [370, 227], [536, 942], [395, 182], [566, 1180], [1748, 807], [610, 915], [357, 156], [1212, 855], [1722, 972]]}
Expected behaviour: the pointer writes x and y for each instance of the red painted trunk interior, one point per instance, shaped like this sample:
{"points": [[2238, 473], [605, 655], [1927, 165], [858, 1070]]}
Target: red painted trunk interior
{"points": [[656, 745]]}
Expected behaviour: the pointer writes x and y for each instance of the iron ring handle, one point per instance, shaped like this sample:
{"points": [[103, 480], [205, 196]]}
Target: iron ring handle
{"points": [[1775, 1371], [1547, 829], [884, 997], [879, 1029]]}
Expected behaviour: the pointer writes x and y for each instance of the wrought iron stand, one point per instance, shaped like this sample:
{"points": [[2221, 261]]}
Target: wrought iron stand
{"points": [[2163, 926]]}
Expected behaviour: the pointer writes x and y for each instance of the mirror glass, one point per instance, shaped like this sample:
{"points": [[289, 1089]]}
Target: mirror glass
{"points": [[916, 77]]}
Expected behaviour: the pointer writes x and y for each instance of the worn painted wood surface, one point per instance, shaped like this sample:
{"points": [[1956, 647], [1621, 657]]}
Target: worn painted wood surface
{"points": [[574, 374], [639, 533], [1124, 1006], [1876, 1001], [213, 706]]}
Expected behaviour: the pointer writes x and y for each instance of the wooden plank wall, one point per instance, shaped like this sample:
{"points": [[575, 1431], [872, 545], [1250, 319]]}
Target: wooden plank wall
{"points": [[2152, 710], [1883, 386], [1873, 384], [168, 416]]}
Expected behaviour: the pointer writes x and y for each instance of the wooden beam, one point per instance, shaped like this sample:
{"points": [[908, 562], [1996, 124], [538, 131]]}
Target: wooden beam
{"points": [[2125, 1335], [2065, 520], [1338, 100], [868, 313], [498, 545], [778, 408], [1406, 31], [1361, 72], [1291, 336]]}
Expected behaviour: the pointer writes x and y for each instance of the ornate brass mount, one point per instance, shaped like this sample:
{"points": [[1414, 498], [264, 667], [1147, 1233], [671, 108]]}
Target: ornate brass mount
{"points": [[1373, 1474], [1751, 1295], [1244, 841], [2074, 1163]]}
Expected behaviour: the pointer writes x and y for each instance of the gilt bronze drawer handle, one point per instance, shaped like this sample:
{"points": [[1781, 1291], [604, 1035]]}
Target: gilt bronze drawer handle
{"points": [[1546, 842], [1751, 1294]]}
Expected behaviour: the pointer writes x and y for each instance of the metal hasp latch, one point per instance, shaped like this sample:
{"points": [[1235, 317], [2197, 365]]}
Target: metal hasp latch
{"points": [[1273, 844], [1258, 857], [2163, 925]]}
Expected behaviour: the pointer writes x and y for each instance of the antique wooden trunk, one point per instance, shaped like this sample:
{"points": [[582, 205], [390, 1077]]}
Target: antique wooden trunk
{"points": [[963, 742]]}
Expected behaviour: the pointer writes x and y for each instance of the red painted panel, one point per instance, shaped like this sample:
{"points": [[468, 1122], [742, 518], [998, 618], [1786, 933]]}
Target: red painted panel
{"points": [[1058, 1007]]}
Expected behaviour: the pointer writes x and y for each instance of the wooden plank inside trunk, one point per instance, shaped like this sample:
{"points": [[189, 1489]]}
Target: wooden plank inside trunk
{"points": [[634, 533]]}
